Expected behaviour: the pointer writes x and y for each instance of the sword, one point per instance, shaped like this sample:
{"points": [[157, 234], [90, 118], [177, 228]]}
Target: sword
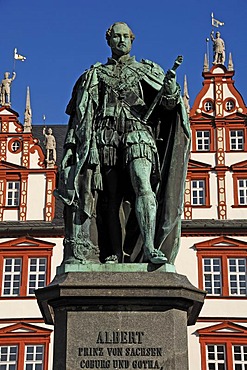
{"points": [[176, 64]]}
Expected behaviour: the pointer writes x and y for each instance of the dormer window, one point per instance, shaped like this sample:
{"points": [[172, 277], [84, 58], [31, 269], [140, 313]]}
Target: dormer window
{"points": [[16, 146], [208, 106], [229, 105]]}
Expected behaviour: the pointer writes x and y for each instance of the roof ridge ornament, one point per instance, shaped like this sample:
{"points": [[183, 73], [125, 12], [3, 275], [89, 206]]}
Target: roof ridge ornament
{"points": [[186, 97], [28, 113], [230, 63], [205, 64]]}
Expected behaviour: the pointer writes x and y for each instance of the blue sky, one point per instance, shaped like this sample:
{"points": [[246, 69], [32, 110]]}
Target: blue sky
{"points": [[62, 38]]}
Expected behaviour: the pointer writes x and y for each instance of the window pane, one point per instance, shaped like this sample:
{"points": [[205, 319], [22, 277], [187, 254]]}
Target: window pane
{"points": [[34, 355], [13, 193], [212, 276], [242, 192], [198, 192], [237, 140], [12, 276], [239, 357], [8, 357], [203, 140], [216, 357], [237, 276], [37, 274], [208, 106]]}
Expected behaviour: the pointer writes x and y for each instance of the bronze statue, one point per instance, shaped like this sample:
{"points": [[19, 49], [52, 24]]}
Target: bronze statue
{"points": [[126, 147]]}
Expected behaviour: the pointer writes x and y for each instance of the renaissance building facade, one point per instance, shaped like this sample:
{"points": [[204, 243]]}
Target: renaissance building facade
{"points": [[213, 250], [214, 239]]}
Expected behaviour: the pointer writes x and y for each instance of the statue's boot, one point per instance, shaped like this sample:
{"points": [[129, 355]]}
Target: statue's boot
{"points": [[155, 256]]}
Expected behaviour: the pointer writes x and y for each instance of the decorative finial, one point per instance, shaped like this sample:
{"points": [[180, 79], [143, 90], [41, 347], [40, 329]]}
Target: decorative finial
{"points": [[5, 89], [205, 64], [186, 97], [230, 63], [216, 22], [18, 56], [28, 113]]}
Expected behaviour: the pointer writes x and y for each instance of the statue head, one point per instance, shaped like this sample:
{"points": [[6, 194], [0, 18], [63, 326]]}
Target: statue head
{"points": [[120, 37], [6, 75], [217, 34], [49, 131]]}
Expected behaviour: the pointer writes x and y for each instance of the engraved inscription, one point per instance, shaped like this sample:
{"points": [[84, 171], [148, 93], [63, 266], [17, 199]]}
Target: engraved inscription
{"points": [[135, 356]]}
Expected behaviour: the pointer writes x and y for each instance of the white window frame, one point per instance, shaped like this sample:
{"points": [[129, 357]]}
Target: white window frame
{"points": [[10, 280], [208, 106], [35, 357], [242, 192], [9, 361], [230, 104], [203, 141], [236, 139], [13, 193], [36, 274], [237, 276], [212, 276], [198, 192], [241, 356], [15, 146], [216, 356]]}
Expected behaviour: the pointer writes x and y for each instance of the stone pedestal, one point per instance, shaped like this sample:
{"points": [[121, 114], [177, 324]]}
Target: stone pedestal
{"points": [[120, 320]]}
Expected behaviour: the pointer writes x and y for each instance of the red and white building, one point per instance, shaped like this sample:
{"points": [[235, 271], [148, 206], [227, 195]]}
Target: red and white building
{"points": [[213, 251], [30, 244]]}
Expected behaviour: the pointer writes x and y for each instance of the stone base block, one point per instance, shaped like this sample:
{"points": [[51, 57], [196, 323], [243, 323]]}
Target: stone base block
{"points": [[119, 320]]}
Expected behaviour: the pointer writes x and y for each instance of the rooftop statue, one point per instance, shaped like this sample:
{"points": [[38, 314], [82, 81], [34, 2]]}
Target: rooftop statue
{"points": [[127, 147], [219, 48], [5, 88], [50, 145]]}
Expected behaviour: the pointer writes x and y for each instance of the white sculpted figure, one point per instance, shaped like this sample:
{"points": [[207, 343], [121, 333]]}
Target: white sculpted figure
{"points": [[50, 145], [5, 88], [219, 48]]}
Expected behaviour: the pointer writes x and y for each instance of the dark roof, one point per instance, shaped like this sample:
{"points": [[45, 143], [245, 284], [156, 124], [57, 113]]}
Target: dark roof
{"points": [[189, 228], [12, 229], [59, 131], [214, 227]]}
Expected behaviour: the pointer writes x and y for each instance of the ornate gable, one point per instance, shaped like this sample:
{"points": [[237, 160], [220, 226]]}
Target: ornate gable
{"points": [[240, 166], [198, 166], [219, 97], [222, 243], [223, 329], [26, 242], [23, 329]]}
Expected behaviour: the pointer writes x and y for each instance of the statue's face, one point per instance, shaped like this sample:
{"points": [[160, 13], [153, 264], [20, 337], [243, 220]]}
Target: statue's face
{"points": [[120, 41]]}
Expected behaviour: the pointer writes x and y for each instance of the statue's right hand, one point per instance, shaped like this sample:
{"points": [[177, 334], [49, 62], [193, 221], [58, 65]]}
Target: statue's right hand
{"points": [[68, 155]]}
